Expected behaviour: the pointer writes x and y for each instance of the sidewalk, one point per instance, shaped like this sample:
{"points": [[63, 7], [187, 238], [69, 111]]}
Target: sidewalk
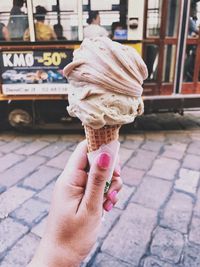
{"points": [[156, 221]]}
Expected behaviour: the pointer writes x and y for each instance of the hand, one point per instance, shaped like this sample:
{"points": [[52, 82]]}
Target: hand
{"points": [[76, 211]]}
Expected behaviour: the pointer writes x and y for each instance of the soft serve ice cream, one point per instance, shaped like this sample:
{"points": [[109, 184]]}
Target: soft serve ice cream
{"points": [[105, 83]]}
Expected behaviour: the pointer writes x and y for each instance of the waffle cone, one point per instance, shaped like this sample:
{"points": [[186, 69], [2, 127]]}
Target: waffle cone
{"points": [[97, 137]]}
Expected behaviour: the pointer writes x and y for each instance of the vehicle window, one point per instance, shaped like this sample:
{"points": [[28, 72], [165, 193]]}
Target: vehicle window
{"points": [[55, 20], [154, 18], [111, 17], [13, 20]]}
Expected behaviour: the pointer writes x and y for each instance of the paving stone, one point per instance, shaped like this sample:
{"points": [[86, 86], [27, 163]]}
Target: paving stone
{"points": [[131, 235], [2, 188], [164, 168], [7, 136], [2, 143], [175, 136], [152, 192], [39, 228], [153, 261], [124, 195], [8, 160], [167, 244], [191, 256], [31, 212], [195, 135], [194, 235], [192, 162], [142, 159], [152, 145], [174, 150], [132, 177], [131, 144], [12, 198], [26, 138], [46, 193], [51, 138], [109, 220], [11, 146], [54, 149], [72, 137], [32, 147], [134, 137], [22, 253], [60, 161], [188, 181], [72, 147], [197, 205], [194, 148], [104, 260], [10, 232], [160, 136], [41, 177], [92, 253], [178, 212], [21, 170], [124, 155]]}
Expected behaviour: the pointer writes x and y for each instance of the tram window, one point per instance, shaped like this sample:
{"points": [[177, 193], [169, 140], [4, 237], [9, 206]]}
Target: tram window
{"points": [[61, 17], [173, 17], [151, 52], [194, 19], [189, 63], [169, 63], [113, 16], [13, 20], [154, 18]]}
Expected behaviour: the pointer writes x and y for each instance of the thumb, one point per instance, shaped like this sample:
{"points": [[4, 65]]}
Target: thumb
{"points": [[97, 178]]}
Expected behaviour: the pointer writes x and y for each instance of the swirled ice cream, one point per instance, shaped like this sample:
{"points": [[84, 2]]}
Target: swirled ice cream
{"points": [[105, 83]]}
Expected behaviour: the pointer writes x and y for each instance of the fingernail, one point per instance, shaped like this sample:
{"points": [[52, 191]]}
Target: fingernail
{"points": [[118, 170], [104, 160], [112, 195], [108, 206]]}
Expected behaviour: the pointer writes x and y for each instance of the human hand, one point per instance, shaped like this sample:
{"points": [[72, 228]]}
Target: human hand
{"points": [[76, 211]]}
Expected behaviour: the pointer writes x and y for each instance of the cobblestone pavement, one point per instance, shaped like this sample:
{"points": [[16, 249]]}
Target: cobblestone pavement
{"points": [[156, 222]]}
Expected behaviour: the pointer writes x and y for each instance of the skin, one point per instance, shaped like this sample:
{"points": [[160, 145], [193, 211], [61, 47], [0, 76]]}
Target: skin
{"points": [[96, 21], [6, 34], [76, 211]]}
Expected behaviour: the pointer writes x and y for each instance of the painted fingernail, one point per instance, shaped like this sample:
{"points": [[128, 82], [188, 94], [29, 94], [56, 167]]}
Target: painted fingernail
{"points": [[108, 206], [112, 195], [104, 160], [118, 170]]}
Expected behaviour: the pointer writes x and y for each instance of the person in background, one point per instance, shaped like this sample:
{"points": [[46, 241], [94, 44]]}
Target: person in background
{"points": [[43, 31], [18, 21], [94, 29], [4, 33], [58, 29], [75, 216]]}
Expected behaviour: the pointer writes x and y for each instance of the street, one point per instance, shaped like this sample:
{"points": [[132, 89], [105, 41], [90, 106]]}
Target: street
{"points": [[157, 219]]}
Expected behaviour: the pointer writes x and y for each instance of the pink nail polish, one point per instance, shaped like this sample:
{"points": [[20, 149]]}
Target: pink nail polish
{"points": [[104, 160], [118, 170], [108, 206], [112, 195]]}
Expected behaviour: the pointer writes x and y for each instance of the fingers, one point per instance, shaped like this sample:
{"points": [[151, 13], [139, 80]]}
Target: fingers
{"points": [[98, 175], [111, 197], [74, 172], [78, 159]]}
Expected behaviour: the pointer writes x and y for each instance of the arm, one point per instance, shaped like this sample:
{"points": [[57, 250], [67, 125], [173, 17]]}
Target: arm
{"points": [[76, 211]]}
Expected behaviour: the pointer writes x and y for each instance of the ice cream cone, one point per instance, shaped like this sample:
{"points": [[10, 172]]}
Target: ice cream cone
{"points": [[97, 137]]}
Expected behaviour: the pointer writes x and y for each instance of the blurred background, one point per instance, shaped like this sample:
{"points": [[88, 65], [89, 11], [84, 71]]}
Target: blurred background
{"points": [[32, 88]]}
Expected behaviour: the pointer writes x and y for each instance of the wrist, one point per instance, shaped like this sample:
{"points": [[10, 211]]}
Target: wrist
{"points": [[54, 256]]}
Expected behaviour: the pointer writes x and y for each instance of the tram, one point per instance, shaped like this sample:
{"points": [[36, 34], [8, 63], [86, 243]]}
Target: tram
{"points": [[33, 91]]}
